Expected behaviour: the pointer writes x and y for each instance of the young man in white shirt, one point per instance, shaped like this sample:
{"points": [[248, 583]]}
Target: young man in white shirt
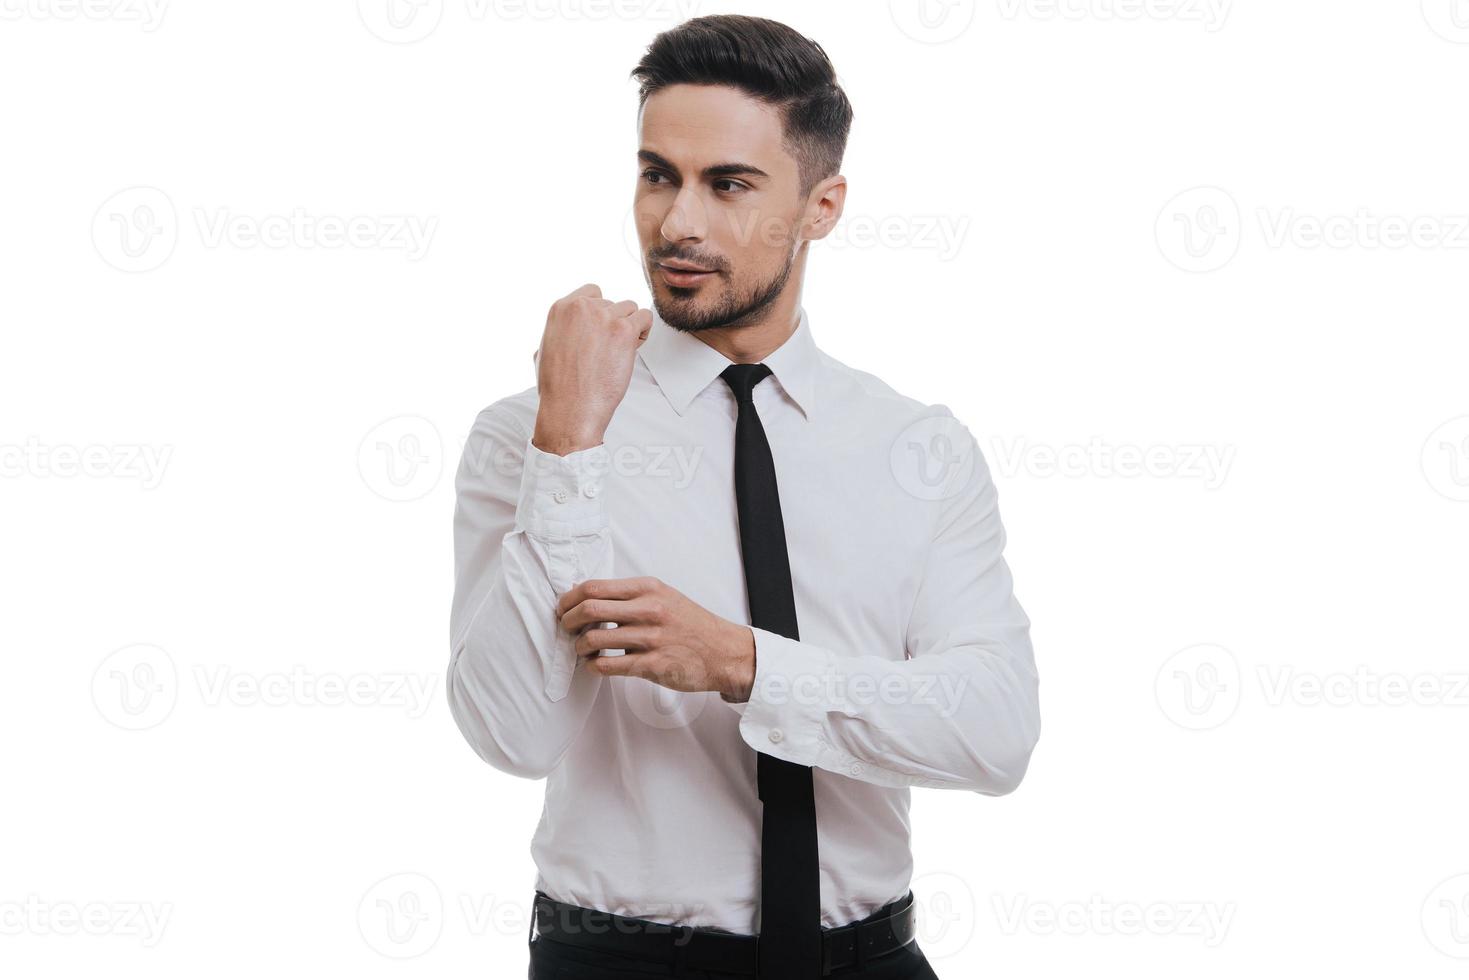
{"points": [[727, 794]]}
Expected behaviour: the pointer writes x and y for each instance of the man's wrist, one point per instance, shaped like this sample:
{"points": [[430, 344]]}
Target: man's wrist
{"points": [[563, 438], [563, 445], [741, 681]]}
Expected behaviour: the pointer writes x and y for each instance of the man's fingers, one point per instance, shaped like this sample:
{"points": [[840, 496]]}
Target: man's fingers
{"points": [[670, 672], [619, 611], [633, 665], [603, 588], [643, 319], [590, 289], [623, 308], [630, 638]]}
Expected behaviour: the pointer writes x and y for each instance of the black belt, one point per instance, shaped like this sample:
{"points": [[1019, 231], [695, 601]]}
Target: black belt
{"points": [[889, 928]]}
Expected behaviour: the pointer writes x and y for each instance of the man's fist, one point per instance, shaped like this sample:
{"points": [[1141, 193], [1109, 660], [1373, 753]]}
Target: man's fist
{"points": [[669, 638], [584, 366]]}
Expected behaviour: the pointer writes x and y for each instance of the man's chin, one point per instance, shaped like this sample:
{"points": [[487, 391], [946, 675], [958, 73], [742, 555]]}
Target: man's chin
{"points": [[681, 310]]}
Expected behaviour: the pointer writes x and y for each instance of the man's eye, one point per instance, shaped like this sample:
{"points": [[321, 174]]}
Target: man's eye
{"points": [[648, 175], [731, 186]]}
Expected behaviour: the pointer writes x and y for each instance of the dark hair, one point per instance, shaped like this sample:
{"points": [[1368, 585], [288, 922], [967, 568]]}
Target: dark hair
{"points": [[767, 61]]}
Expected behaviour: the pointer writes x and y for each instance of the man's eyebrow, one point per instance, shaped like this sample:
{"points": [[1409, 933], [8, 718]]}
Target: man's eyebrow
{"points": [[718, 170]]}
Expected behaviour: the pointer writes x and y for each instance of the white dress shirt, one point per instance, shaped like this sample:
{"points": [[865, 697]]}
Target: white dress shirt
{"points": [[914, 665]]}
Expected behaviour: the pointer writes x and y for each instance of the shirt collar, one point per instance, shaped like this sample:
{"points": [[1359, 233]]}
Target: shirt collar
{"points": [[683, 365]]}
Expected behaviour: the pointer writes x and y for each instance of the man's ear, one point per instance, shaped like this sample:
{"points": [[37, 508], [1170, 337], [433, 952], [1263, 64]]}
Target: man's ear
{"points": [[825, 205]]}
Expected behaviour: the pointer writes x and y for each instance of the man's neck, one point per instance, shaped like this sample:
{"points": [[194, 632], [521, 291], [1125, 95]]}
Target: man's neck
{"points": [[751, 343]]}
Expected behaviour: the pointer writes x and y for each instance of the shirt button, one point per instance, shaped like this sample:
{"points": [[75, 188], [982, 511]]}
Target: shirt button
{"points": [[776, 735], [855, 769], [591, 489], [559, 495]]}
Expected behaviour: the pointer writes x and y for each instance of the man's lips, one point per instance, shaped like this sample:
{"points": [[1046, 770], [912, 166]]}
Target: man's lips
{"points": [[676, 276]]}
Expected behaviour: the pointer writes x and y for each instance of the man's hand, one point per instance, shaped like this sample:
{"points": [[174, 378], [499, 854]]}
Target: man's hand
{"points": [[584, 366], [670, 639]]}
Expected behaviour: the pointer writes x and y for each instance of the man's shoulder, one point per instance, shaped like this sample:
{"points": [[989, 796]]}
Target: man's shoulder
{"points": [[869, 394]]}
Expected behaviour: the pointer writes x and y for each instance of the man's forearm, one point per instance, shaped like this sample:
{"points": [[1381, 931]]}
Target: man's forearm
{"points": [[513, 687]]}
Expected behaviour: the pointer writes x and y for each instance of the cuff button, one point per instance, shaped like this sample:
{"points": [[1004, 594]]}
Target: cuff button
{"points": [[559, 495]]}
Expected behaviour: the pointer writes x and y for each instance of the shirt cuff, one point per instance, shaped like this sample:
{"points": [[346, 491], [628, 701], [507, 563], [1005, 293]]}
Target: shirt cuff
{"points": [[798, 687], [788, 702], [561, 496]]}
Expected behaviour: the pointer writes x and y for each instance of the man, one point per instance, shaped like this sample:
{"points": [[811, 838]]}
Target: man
{"points": [[728, 595]]}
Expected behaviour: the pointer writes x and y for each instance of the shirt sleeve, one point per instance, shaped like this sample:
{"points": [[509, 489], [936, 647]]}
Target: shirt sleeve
{"points": [[528, 525], [961, 711]]}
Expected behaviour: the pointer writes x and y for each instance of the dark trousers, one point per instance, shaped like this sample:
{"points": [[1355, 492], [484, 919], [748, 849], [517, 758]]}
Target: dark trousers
{"points": [[550, 960]]}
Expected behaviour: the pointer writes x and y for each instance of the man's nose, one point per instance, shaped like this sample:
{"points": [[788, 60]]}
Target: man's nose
{"points": [[686, 219]]}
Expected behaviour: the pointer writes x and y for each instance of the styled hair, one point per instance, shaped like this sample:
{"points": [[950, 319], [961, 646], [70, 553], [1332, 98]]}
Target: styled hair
{"points": [[767, 61]]}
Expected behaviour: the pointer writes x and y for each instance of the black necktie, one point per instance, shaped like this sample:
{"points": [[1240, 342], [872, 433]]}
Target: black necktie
{"points": [[790, 884]]}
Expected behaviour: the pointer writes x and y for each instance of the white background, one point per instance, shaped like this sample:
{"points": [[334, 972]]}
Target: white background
{"points": [[1228, 426]]}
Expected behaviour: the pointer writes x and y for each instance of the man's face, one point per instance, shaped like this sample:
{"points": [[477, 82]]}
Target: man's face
{"points": [[718, 191]]}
